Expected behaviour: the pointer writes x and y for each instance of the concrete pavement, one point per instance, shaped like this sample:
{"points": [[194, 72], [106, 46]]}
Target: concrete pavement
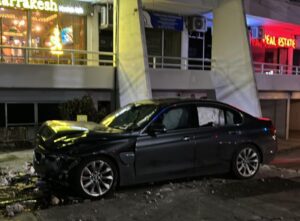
{"points": [[274, 194]]}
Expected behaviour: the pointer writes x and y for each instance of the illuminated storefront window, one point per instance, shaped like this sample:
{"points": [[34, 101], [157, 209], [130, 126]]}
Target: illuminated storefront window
{"points": [[42, 32], [13, 30]]}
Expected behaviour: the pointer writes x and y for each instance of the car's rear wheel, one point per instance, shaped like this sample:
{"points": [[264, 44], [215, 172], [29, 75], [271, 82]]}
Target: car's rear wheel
{"points": [[246, 162], [96, 177]]}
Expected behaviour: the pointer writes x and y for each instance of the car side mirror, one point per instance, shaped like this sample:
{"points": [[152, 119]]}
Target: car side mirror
{"points": [[156, 128]]}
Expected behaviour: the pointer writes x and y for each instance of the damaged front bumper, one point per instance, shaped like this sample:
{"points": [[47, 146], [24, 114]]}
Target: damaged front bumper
{"points": [[53, 167]]}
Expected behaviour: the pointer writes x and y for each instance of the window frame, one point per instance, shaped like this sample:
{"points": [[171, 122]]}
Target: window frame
{"points": [[224, 109], [190, 106]]}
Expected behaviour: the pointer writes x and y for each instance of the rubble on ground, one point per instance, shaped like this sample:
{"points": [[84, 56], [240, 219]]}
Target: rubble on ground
{"points": [[22, 190]]}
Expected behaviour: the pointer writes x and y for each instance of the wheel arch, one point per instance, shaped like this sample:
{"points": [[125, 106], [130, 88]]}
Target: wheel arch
{"points": [[107, 156], [261, 156]]}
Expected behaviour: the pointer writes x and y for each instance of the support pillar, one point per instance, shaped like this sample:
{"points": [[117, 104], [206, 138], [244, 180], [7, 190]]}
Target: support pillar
{"points": [[232, 71], [93, 36], [131, 52]]}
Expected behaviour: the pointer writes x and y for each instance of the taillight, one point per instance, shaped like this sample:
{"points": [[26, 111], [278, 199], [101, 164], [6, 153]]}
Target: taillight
{"points": [[272, 130], [270, 126]]}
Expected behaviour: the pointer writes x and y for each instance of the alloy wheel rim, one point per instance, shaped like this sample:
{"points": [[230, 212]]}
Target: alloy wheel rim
{"points": [[247, 162], [97, 178]]}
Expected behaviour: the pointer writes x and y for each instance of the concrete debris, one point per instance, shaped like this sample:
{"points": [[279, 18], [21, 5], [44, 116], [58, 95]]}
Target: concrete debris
{"points": [[29, 169], [148, 192], [165, 190], [54, 201], [14, 209], [4, 181]]}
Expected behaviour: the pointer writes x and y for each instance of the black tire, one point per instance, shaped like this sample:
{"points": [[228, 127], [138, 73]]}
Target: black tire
{"points": [[246, 162], [94, 178]]}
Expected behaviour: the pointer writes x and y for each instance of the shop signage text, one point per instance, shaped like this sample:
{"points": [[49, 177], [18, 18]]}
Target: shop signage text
{"points": [[281, 42], [163, 21], [49, 5], [274, 41]]}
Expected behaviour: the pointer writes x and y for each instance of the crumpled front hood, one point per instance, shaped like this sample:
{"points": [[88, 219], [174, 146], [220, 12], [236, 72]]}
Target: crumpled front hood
{"points": [[59, 134], [57, 128]]}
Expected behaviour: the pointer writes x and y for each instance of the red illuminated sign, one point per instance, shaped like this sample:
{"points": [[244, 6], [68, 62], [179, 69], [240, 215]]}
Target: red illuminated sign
{"points": [[274, 41], [281, 42]]}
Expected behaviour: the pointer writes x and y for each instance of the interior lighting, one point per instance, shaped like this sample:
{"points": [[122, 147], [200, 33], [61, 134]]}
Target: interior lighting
{"points": [[22, 23], [56, 45], [38, 28]]}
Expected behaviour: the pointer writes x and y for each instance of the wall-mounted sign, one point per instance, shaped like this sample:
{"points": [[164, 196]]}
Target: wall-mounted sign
{"points": [[46, 5], [281, 42], [41, 5], [274, 41], [163, 21], [71, 9]]}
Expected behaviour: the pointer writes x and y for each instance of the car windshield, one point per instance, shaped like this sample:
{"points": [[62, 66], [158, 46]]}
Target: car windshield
{"points": [[131, 117]]}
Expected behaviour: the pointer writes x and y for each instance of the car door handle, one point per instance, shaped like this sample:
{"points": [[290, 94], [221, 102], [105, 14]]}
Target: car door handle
{"points": [[186, 139]]}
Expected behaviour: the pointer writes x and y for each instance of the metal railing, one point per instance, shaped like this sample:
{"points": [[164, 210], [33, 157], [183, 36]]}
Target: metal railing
{"points": [[179, 63], [29, 55], [275, 69]]}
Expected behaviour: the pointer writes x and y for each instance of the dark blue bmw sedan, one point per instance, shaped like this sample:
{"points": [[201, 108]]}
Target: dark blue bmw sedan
{"points": [[154, 140]]}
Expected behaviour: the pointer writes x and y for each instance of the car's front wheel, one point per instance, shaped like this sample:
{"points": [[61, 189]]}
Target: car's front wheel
{"points": [[96, 177], [246, 162]]}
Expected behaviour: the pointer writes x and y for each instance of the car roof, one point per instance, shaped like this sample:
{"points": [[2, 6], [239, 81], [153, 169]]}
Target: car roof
{"points": [[174, 101]]}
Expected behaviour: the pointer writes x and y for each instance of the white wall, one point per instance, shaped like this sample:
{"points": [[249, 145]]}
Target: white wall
{"points": [[56, 76], [277, 82], [50, 95], [170, 79]]}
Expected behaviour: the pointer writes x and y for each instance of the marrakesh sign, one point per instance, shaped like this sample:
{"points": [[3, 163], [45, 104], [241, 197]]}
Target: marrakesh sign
{"points": [[274, 41], [49, 5]]}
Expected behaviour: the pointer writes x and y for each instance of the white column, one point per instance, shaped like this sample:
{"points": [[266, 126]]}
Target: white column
{"points": [[131, 52], [93, 36], [184, 47], [232, 72]]}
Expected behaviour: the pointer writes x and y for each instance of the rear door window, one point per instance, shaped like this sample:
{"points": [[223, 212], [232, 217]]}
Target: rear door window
{"points": [[233, 118], [210, 116]]}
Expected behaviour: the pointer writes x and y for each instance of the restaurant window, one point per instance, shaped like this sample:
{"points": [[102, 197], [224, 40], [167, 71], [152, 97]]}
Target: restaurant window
{"points": [[13, 31], [73, 35], [39, 29], [48, 30], [42, 27]]}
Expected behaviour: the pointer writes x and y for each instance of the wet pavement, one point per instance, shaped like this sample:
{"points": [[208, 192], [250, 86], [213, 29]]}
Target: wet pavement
{"points": [[274, 194]]}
